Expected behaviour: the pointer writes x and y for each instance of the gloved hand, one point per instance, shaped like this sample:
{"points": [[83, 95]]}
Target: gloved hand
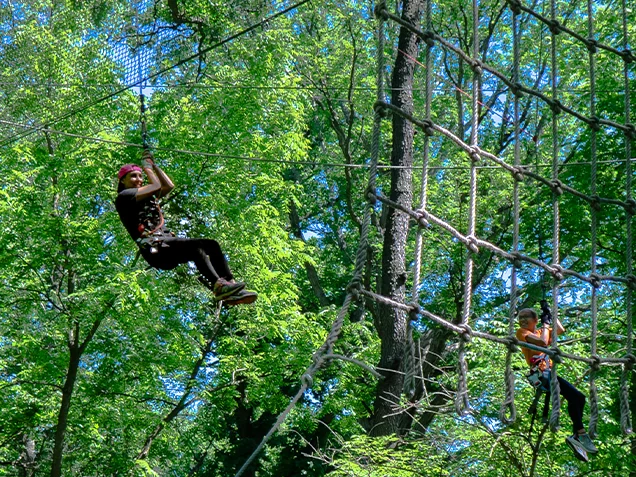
{"points": [[546, 315], [147, 159]]}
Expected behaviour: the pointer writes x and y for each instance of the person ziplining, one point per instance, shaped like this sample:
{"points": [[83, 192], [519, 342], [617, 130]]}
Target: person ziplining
{"points": [[540, 366], [139, 211]]}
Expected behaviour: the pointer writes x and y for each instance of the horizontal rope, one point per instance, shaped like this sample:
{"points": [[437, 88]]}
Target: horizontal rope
{"points": [[475, 152], [221, 86], [422, 217], [506, 340], [307, 163], [590, 44], [428, 37]]}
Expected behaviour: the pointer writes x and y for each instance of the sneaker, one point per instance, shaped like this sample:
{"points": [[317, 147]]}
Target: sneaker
{"points": [[586, 441], [242, 297], [577, 448], [224, 288]]}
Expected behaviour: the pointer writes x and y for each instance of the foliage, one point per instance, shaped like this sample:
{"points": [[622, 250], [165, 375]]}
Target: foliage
{"points": [[119, 369]]}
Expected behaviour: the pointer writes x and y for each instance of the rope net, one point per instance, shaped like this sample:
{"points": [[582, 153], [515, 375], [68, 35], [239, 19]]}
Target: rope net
{"points": [[557, 188], [542, 103], [526, 91]]}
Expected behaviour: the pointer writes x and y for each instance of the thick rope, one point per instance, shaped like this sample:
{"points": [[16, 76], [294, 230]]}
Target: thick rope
{"points": [[503, 340], [462, 403], [555, 392], [476, 244], [432, 36], [325, 352], [626, 424], [428, 126], [509, 376], [594, 225]]}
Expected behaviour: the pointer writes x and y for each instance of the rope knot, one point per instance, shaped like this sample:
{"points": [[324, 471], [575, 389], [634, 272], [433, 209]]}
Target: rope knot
{"points": [[477, 67], [627, 55], [555, 27], [595, 202], [466, 333], [630, 206], [429, 38], [555, 106], [515, 6], [380, 11], [307, 380], [556, 356], [515, 258], [631, 281], [421, 218], [596, 362], [630, 132], [557, 271], [631, 361], [594, 123], [474, 154], [381, 108], [427, 127], [371, 195], [414, 311], [557, 187], [591, 45], [518, 174], [511, 343], [472, 243], [354, 288], [517, 90], [595, 280]]}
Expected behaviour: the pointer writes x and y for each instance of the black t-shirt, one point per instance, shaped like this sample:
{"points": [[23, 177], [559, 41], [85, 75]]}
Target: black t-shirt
{"points": [[137, 216]]}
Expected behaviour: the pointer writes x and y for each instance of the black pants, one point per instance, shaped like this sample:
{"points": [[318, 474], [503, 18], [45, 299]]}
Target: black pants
{"points": [[205, 253], [576, 402]]}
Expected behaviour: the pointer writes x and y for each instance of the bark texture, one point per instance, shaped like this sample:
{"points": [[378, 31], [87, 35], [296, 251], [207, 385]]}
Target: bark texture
{"points": [[391, 323]]}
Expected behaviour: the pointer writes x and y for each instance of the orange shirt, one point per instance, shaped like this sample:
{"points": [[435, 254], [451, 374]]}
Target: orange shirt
{"points": [[528, 353]]}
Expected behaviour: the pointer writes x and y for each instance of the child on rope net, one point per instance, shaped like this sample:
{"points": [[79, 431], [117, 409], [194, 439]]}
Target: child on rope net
{"points": [[580, 442], [140, 213]]}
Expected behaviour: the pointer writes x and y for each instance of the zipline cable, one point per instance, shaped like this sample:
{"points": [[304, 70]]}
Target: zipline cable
{"points": [[291, 162], [438, 89]]}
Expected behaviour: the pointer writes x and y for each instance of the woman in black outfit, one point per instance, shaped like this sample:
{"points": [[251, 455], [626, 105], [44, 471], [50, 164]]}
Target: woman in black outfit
{"points": [[140, 213]]}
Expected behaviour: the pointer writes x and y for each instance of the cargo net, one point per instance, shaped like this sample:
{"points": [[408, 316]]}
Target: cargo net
{"points": [[526, 89]]}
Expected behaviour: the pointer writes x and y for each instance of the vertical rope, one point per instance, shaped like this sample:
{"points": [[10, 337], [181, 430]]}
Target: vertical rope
{"points": [[626, 424], [594, 225], [509, 376], [409, 380], [554, 383], [462, 404], [140, 82], [354, 286]]}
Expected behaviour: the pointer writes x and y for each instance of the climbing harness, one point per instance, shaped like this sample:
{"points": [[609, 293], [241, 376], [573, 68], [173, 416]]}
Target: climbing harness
{"points": [[153, 242], [539, 376], [539, 379]]}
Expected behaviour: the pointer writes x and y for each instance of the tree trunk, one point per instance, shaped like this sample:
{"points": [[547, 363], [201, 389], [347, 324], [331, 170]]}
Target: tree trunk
{"points": [[62, 418], [391, 323]]}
